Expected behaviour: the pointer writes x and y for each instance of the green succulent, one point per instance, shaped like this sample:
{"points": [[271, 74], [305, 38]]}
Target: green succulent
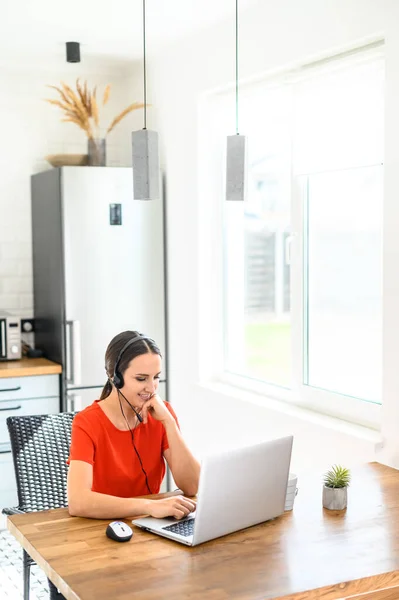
{"points": [[337, 477]]}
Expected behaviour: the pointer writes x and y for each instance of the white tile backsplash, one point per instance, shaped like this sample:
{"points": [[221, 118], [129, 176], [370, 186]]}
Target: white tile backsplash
{"points": [[25, 303], [12, 303], [14, 249], [16, 283], [8, 268], [30, 130]]}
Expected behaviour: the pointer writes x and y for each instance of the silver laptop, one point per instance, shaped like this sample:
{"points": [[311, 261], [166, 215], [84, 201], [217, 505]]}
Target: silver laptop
{"points": [[237, 489]]}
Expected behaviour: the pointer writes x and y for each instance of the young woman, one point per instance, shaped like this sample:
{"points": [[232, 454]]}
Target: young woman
{"points": [[121, 441]]}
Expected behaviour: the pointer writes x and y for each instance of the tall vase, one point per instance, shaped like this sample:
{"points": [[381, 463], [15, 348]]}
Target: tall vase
{"points": [[97, 152]]}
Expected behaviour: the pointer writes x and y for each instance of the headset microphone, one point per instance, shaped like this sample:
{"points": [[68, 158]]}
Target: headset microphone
{"points": [[138, 415], [140, 419]]}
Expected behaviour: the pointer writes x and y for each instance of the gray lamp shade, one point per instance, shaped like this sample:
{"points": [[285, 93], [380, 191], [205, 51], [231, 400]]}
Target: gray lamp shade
{"points": [[145, 165], [236, 163]]}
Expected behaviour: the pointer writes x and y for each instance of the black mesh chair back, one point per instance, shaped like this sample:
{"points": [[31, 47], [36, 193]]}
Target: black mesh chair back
{"points": [[40, 448]]}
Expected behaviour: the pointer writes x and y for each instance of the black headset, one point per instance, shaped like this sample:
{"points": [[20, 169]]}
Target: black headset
{"points": [[117, 378]]}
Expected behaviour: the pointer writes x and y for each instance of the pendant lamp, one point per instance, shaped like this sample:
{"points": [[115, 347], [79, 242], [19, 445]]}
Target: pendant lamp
{"points": [[236, 149], [145, 153]]}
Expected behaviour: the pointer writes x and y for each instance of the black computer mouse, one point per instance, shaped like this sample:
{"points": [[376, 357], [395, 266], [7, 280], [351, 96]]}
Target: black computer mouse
{"points": [[119, 531]]}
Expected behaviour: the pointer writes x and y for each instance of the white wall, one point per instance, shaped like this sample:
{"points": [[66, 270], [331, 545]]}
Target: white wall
{"points": [[30, 130], [272, 36]]}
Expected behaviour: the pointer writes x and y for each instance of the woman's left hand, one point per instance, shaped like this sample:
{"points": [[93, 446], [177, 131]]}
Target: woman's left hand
{"points": [[156, 407]]}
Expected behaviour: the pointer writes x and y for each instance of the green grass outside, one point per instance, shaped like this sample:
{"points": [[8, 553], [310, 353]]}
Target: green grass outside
{"points": [[268, 352]]}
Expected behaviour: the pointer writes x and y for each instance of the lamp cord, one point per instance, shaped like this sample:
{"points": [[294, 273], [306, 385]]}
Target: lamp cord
{"points": [[145, 73], [237, 67]]}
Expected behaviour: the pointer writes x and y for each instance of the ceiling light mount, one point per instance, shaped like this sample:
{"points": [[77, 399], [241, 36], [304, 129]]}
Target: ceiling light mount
{"points": [[73, 52]]}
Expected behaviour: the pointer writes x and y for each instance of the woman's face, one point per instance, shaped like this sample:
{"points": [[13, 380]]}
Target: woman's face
{"points": [[141, 378]]}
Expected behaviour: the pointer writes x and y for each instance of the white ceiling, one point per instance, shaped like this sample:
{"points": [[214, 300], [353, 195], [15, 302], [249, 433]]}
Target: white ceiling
{"points": [[113, 28]]}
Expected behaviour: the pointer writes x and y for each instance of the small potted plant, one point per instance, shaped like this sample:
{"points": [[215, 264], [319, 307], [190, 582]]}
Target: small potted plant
{"points": [[335, 490]]}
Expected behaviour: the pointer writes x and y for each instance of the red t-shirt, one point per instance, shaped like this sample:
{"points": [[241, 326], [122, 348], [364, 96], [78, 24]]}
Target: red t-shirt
{"points": [[116, 466]]}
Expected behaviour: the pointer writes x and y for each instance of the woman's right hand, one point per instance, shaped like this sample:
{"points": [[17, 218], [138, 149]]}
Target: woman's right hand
{"points": [[175, 506]]}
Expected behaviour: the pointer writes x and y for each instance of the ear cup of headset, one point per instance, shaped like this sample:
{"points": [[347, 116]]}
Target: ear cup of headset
{"points": [[118, 380]]}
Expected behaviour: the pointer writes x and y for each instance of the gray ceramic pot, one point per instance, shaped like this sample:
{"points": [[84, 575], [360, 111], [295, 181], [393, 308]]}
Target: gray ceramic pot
{"points": [[335, 498]]}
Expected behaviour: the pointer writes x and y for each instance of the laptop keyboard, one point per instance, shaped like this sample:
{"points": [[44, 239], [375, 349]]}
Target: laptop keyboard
{"points": [[184, 528]]}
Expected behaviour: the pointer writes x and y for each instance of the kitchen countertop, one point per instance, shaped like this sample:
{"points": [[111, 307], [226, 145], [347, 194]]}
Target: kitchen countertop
{"points": [[28, 367]]}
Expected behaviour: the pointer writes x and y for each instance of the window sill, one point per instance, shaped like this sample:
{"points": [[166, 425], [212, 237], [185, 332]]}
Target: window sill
{"points": [[310, 416]]}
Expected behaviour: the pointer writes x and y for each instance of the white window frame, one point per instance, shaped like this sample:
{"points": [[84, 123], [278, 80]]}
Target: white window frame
{"points": [[211, 267]]}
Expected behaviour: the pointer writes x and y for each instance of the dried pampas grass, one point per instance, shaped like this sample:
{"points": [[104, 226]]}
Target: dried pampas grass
{"points": [[123, 114], [107, 92], [82, 108]]}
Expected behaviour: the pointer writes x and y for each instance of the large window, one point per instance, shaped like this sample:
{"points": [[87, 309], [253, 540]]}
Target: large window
{"points": [[303, 257]]}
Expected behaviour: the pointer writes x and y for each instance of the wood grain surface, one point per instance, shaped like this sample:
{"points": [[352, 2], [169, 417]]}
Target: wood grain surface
{"points": [[385, 594], [306, 554], [28, 366]]}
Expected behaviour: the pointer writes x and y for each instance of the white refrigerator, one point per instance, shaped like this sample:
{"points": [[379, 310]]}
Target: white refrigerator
{"points": [[99, 268]]}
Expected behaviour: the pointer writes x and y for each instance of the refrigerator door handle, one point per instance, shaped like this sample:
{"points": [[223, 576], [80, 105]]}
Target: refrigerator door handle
{"points": [[70, 402], [74, 375], [74, 402]]}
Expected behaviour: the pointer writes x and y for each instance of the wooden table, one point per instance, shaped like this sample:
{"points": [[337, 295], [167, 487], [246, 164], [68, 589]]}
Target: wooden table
{"points": [[307, 554], [28, 366]]}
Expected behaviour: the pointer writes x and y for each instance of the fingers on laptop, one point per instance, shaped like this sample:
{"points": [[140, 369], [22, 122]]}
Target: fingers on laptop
{"points": [[175, 506], [183, 507]]}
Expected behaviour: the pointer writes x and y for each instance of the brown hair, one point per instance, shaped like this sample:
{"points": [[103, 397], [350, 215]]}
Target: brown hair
{"points": [[115, 346]]}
